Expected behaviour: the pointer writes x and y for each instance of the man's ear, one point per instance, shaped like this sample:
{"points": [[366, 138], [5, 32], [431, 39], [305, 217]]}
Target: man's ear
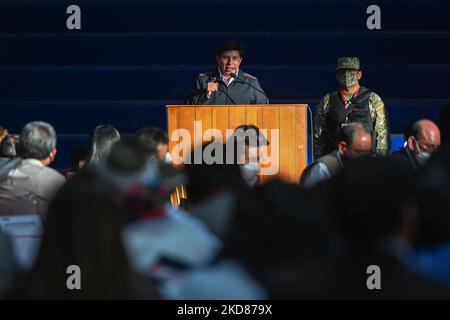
{"points": [[53, 154], [359, 76], [342, 147], [410, 143]]}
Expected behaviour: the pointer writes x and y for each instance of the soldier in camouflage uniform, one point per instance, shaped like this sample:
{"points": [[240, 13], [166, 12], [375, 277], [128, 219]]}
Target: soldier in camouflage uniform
{"points": [[352, 103]]}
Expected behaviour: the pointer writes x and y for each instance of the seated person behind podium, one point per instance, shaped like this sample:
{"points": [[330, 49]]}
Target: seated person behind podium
{"points": [[155, 142], [227, 84], [248, 142], [354, 140]]}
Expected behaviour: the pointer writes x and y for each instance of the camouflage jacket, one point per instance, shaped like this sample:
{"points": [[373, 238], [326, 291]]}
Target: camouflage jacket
{"points": [[322, 134]]}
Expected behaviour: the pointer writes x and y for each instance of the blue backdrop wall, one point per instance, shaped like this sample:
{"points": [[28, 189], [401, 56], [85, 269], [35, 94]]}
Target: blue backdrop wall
{"points": [[133, 57]]}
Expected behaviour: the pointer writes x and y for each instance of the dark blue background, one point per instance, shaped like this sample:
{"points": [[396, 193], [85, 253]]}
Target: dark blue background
{"points": [[133, 57]]}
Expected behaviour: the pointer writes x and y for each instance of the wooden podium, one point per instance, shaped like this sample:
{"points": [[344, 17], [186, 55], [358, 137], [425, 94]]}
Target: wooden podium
{"points": [[289, 122]]}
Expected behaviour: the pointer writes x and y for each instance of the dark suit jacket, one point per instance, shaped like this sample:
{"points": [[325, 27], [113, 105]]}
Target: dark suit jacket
{"points": [[245, 89], [404, 156]]}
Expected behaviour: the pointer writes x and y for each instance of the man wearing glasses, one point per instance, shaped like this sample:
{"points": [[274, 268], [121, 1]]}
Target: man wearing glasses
{"points": [[351, 103]]}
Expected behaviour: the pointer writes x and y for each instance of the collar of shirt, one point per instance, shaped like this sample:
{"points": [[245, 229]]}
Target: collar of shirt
{"points": [[33, 161], [339, 158], [227, 82], [16, 172], [347, 97]]}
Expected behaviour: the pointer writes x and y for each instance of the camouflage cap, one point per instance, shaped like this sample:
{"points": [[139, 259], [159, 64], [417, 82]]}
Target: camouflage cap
{"points": [[348, 63]]}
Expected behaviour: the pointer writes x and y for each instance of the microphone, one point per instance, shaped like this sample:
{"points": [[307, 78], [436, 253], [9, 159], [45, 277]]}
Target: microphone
{"points": [[234, 75], [216, 80]]}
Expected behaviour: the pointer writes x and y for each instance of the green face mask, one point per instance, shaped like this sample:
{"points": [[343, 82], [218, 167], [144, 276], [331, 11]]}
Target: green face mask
{"points": [[348, 79]]}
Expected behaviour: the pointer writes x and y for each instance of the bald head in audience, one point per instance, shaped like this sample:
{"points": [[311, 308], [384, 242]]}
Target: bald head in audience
{"points": [[355, 140], [423, 138]]}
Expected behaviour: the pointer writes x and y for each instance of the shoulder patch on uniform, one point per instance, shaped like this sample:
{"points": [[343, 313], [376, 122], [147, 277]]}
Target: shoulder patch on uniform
{"points": [[249, 75]]}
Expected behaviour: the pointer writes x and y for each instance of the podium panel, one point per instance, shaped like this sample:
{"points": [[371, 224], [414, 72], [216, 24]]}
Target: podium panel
{"points": [[284, 126]]}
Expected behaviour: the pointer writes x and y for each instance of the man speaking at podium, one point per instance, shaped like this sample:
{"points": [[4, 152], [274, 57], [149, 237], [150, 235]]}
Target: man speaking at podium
{"points": [[227, 84]]}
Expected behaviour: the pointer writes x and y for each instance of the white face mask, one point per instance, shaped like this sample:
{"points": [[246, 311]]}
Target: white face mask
{"points": [[168, 158], [422, 156], [249, 172]]}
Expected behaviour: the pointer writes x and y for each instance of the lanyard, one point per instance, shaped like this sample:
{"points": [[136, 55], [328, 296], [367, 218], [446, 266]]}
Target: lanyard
{"points": [[347, 103], [348, 117]]}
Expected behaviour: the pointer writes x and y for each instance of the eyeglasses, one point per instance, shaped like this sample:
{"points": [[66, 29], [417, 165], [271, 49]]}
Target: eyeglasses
{"points": [[427, 147]]}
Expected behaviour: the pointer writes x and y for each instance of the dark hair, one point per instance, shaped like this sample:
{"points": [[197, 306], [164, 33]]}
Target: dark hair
{"points": [[414, 130], [248, 136], [127, 156], [230, 46], [101, 142], [249, 132], [205, 179], [347, 132], [83, 228], [8, 146], [37, 140], [369, 195], [151, 138], [275, 226]]}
